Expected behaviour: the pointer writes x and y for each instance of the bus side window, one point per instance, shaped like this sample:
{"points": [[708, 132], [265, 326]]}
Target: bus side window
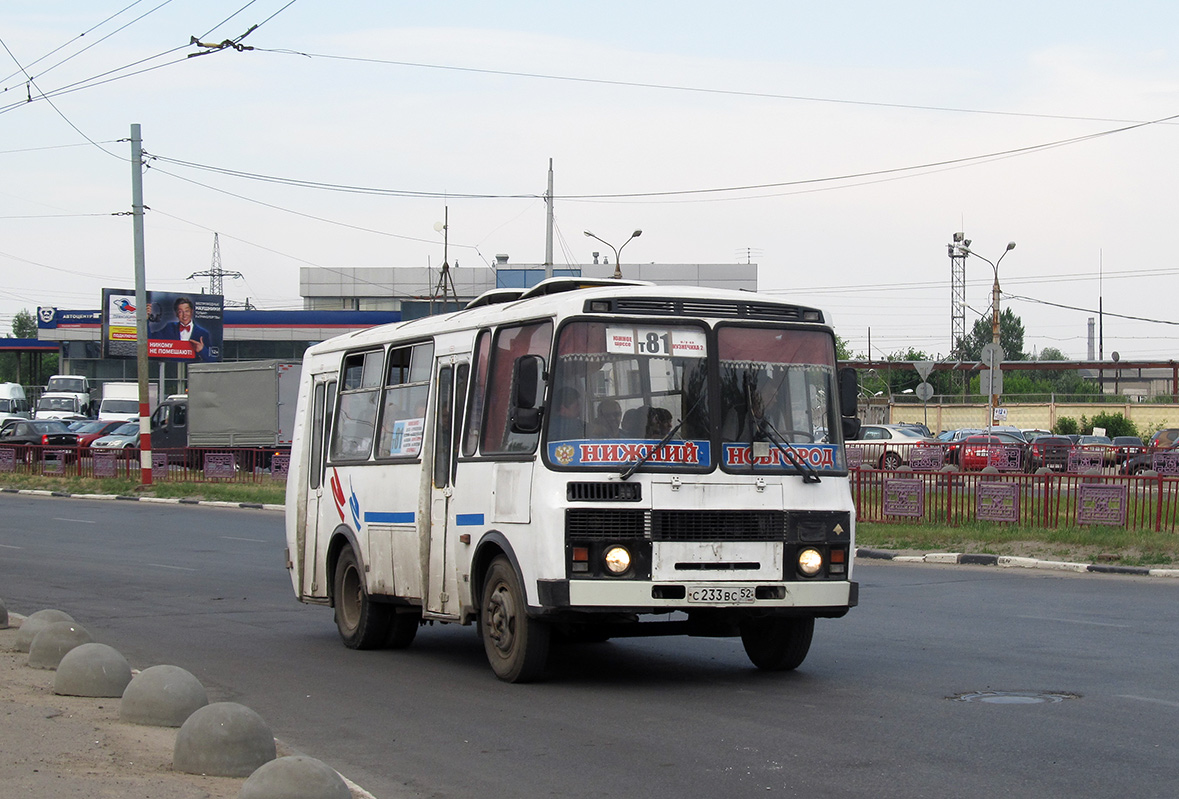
{"points": [[356, 416], [478, 393], [315, 470], [407, 390], [510, 343], [444, 418], [462, 375]]}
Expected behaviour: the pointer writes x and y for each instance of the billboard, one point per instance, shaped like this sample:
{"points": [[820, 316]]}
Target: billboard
{"points": [[180, 326]]}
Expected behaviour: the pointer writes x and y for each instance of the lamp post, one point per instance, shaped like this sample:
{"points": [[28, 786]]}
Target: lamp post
{"points": [[994, 319], [617, 250]]}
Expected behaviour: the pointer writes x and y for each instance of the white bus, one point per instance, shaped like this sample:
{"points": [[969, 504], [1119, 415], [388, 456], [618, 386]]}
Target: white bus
{"points": [[584, 459]]}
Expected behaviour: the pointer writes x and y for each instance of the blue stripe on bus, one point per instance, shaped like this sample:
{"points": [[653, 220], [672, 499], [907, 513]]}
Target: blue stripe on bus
{"points": [[468, 519], [389, 518]]}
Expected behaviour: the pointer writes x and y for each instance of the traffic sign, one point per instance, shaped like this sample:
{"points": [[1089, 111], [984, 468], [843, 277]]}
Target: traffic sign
{"points": [[924, 392], [990, 382], [923, 368], [993, 355]]}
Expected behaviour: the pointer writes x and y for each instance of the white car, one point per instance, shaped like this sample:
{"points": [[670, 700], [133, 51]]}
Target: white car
{"points": [[125, 436], [887, 446]]}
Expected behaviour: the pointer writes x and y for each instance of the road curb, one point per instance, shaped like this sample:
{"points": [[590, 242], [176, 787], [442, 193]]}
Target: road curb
{"points": [[157, 500], [1011, 562]]}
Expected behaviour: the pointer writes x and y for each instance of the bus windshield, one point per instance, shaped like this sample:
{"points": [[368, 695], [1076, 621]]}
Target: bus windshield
{"points": [[619, 389], [778, 390]]}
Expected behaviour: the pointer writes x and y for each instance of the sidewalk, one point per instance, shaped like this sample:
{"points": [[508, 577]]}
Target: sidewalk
{"points": [[68, 747]]}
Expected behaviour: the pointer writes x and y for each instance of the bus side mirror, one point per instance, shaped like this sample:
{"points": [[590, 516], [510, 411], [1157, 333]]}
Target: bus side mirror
{"points": [[849, 396], [527, 390]]}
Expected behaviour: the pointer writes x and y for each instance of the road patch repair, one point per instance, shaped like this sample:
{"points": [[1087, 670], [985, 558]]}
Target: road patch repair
{"points": [[78, 721]]}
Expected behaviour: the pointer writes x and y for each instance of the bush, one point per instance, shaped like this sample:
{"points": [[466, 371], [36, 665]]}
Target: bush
{"points": [[1115, 424], [1066, 426]]}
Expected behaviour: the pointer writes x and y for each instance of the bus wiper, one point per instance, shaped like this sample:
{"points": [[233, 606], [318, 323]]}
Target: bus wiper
{"points": [[634, 467], [809, 475], [629, 470]]}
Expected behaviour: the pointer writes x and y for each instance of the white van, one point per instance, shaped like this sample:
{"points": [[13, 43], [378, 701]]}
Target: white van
{"points": [[120, 401], [13, 402], [76, 385]]}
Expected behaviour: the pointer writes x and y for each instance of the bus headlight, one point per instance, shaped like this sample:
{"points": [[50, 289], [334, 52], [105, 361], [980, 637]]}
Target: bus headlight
{"points": [[617, 560], [810, 561]]}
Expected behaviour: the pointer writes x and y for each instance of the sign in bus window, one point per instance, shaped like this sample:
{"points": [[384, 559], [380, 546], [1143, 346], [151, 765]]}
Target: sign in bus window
{"points": [[666, 342]]}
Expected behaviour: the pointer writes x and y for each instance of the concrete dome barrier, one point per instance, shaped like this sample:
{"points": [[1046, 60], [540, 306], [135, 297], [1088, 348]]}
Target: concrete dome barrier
{"points": [[51, 644], [162, 696], [92, 670], [35, 623], [223, 739], [295, 777]]}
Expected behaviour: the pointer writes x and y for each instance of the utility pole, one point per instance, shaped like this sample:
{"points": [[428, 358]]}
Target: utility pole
{"points": [[140, 305], [548, 234]]}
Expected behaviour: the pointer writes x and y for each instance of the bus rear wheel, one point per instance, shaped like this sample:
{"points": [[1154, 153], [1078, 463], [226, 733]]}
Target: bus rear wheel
{"points": [[363, 624], [777, 643], [517, 646]]}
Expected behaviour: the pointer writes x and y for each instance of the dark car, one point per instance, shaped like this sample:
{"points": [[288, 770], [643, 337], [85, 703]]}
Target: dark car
{"points": [[1051, 451], [1126, 447], [1166, 440], [32, 438]]}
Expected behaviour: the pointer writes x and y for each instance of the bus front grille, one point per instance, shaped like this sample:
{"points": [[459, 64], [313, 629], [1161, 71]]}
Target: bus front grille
{"points": [[592, 524]]}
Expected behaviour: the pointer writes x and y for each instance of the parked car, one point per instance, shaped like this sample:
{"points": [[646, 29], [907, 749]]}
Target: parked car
{"points": [[1164, 440], [975, 451], [1126, 447], [1101, 444], [31, 438], [951, 441], [123, 437], [1032, 434], [91, 430], [1051, 451], [887, 445]]}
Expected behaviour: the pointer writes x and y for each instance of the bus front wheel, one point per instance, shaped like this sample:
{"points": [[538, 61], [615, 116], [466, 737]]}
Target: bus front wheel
{"points": [[516, 645], [777, 643], [363, 624]]}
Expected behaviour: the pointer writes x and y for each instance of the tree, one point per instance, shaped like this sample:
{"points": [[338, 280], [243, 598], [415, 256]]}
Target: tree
{"points": [[24, 324], [842, 349], [1010, 337]]}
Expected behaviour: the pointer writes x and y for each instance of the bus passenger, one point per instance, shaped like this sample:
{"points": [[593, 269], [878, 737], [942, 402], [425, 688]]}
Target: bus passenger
{"points": [[568, 422], [605, 425]]}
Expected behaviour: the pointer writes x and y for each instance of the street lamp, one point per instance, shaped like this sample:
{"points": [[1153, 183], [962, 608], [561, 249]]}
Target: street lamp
{"points": [[617, 250], [994, 317]]}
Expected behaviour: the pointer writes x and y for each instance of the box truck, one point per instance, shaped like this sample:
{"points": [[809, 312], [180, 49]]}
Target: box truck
{"points": [[241, 404]]}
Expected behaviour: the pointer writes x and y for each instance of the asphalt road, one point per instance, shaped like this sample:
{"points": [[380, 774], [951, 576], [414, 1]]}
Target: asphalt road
{"points": [[873, 712]]}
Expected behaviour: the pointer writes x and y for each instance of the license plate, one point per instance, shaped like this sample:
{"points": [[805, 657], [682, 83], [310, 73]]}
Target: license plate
{"points": [[720, 594]]}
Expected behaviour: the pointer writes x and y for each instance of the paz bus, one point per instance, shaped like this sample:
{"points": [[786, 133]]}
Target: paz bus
{"points": [[582, 460]]}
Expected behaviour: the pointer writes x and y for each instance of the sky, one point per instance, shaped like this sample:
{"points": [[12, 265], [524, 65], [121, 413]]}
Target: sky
{"points": [[837, 145]]}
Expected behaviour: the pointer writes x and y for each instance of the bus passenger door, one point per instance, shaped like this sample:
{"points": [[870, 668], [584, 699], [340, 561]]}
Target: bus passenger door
{"points": [[320, 512], [442, 596]]}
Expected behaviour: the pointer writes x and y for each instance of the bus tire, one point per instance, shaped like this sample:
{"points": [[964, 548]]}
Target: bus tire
{"points": [[403, 628], [363, 624], [517, 646], [777, 643]]}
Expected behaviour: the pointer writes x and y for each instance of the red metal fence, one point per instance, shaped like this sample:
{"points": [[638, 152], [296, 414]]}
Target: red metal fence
{"points": [[1036, 500], [237, 465]]}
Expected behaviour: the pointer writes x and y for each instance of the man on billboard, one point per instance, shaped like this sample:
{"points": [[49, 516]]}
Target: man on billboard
{"points": [[185, 328]]}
